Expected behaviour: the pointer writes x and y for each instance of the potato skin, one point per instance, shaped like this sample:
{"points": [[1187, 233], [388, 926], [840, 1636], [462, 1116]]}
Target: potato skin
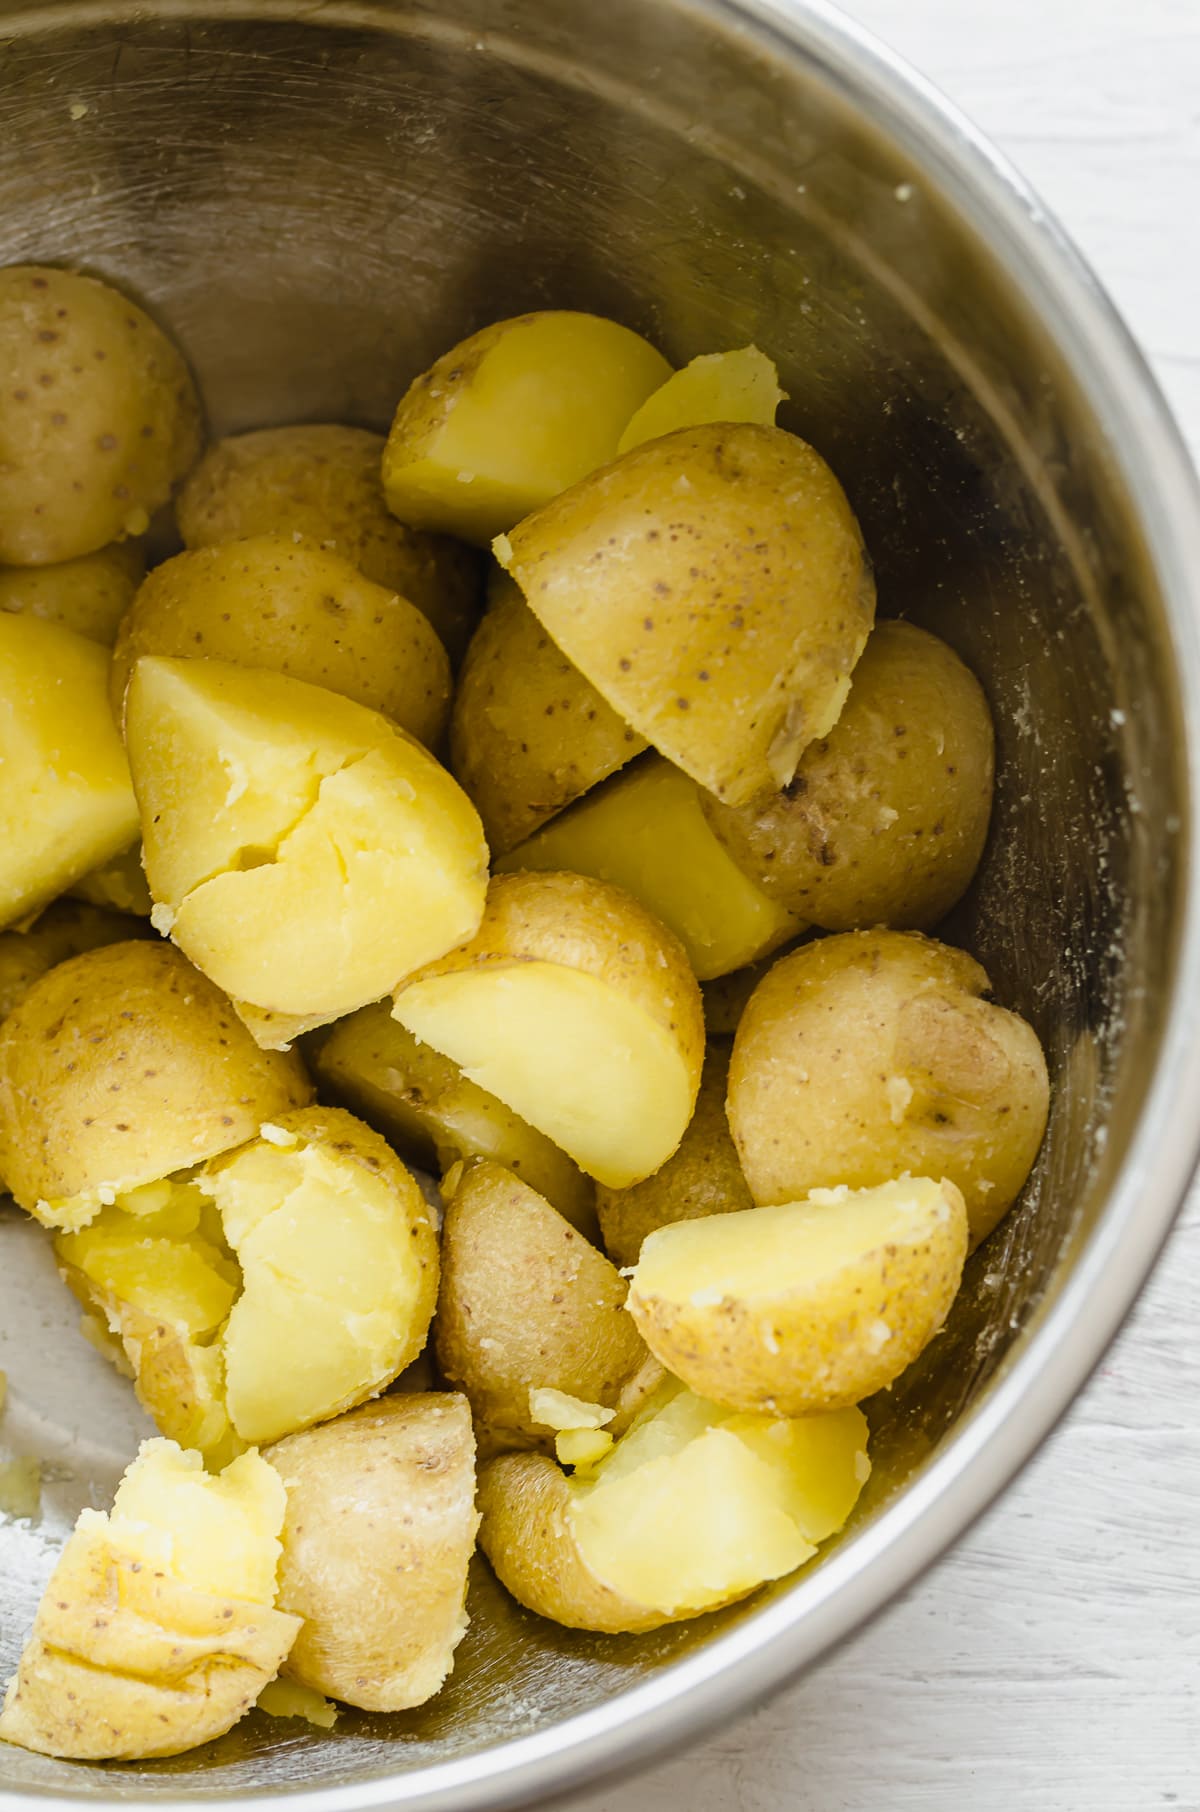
{"points": [[120, 1067], [703, 1177], [65, 929], [721, 620], [528, 734], [887, 816], [818, 1346], [101, 417], [89, 594], [125, 1662], [427, 1109], [380, 1527], [527, 1536], [292, 607], [863, 1056], [526, 1303], [322, 481]]}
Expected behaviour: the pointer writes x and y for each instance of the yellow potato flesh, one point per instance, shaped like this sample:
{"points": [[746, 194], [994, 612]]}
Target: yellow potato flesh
{"points": [[697, 1506], [740, 386], [282, 826], [713, 587], [570, 1054], [89, 595], [645, 831], [434, 1116], [120, 884], [221, 1534], [66, 803], [511, 417]]}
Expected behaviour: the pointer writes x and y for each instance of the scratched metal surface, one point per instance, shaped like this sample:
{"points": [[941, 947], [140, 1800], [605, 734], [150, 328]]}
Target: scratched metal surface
{"points": [[316, 208]]}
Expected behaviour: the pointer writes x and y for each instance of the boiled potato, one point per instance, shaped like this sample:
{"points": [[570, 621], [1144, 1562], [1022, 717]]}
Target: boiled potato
{"points": [[713, 586], [808, 1306], [292, 607], [864, 1056], [322, 481], [578, 1010], [528, 733], [380, 1528], [304, 852], [89, 595], [645, 830], [702, 1177], [66, 804], [510, 417], [157, 1630], [740, 386], [121, 1067], [424, 1106], [725, 996], [120, 884], [309, 1289], [100, 416], [64, 930], [528, 1306], [695, 1507], [885, 820]]}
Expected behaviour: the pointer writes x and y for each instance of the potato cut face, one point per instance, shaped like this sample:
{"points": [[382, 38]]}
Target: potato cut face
{"points": [[697, 1506], [806, 1306], [322, 480], [739, 386], [291, 606], [282, 824], [645, 831], [89, 595], [528, 733], [588, 1067], [66, 804], [100, 418], [428, 1110], [222, 1534], [510, 417], [714, 588]]}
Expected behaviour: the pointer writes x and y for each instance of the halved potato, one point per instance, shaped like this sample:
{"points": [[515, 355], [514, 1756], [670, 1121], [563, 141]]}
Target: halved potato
{"points": [[579, 1011], [739, 386], [89, 595], [510, 417], [702, 1177], [308, 853], [864, 1056], [322, 481], [279, 1285], [157, 1630], [645, 830], [291, 606], [100, 416], [694, 1507], [885, 820], [528, 733], [66, 803], [809, 1306], [713, 586], [424, 1106], [526, 1307], [123, 1066], [380, 1529], [64, 930]]}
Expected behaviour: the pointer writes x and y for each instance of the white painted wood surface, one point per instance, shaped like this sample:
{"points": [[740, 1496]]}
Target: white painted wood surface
{"points": [[1052, 1662]]}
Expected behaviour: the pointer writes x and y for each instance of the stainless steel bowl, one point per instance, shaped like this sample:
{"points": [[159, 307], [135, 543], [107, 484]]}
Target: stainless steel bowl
{"points": [[318, 199]]}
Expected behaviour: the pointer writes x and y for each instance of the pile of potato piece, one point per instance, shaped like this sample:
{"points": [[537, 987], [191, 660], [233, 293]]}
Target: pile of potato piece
{"points": [[334, 847]]}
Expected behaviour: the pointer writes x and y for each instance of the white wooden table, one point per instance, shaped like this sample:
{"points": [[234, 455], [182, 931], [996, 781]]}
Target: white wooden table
{"points": [[1052, 1662]]}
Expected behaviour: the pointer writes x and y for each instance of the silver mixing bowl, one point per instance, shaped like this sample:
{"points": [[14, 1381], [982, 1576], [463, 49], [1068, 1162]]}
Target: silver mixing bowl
{"points": [[320, 198]]}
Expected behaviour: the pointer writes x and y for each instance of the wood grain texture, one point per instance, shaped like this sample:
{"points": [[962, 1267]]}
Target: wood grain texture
{"points": [[1052, 1662]]}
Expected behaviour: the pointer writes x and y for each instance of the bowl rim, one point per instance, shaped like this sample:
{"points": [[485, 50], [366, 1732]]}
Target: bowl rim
{"points": [[1052, 1360]]}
